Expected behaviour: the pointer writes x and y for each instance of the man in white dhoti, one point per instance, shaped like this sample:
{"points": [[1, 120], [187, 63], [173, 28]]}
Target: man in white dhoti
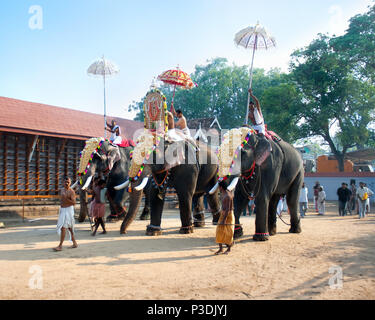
{"points": [[66, 215]]}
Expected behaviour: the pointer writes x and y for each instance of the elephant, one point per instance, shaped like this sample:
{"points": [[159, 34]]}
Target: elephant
{"points": [[177, 165], [111, 163], [267, 170]]}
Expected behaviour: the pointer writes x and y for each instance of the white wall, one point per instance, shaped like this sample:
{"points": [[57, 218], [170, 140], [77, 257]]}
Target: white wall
{"points": [[331, 184]]}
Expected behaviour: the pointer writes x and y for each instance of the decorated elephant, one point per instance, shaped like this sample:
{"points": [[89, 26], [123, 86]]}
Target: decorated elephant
{"points": [[264, 169], [107, 161], [177, 165]]}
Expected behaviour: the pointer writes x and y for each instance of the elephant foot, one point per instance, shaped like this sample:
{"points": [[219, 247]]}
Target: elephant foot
{"points": [[199, 221], [295, 229], [238, 232], [153, 231], [145, 215], [261, 237], [186, 230], [123, 232], [272, 230]]}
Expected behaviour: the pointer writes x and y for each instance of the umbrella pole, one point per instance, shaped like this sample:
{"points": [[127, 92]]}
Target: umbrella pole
{"points": [[105, 111], [251, 81], [174, 91]]}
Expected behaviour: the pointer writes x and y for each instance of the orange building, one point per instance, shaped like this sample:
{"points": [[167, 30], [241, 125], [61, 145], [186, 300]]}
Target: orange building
{"points": [[325, 164]]}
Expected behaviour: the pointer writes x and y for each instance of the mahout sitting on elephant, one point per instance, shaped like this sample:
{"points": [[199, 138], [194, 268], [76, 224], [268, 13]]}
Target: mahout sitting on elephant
{"points": [[263, 169]]}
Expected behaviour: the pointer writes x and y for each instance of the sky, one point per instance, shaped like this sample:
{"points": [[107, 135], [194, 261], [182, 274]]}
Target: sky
{"points": [[46, 46]]}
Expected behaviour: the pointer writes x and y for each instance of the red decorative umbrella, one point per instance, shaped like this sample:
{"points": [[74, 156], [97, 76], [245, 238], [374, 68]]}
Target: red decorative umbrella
{"points": [[176, 77]]}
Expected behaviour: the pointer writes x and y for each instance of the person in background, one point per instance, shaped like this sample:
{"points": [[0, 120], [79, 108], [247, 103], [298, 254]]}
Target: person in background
{"points": [[316, 192], [367, 202], [249, 207], [344, 196], [321, 201], [99, 207], [353, 198], [363, 193], [303, 200], [66, 214]]}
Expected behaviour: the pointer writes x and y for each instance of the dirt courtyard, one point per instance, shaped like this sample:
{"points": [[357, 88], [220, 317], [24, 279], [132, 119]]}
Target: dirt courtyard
{"points": [[333, 258]]}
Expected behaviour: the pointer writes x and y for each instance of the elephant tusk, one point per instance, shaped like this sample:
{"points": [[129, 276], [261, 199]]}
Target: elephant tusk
{"points": [[123, 185], [142, 185], [88, 181], [233, 184], [212, 191], [74, 184]]}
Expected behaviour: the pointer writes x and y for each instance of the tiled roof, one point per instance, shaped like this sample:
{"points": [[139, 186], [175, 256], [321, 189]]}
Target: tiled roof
{"points": [[41, 119]]}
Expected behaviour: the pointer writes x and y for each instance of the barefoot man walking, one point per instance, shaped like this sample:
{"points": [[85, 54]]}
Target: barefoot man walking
{"points": [[66, 215]]}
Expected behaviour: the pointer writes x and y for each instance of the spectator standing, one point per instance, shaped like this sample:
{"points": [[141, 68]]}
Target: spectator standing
{"points": [[303, 200], [363, 193], [316, 192], [353, 199], [344, 196], [321, 201]]}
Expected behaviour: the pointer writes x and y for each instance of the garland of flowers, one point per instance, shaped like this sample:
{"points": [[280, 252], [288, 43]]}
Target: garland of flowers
{"points": [[147, 156], [238, 149], [87, 154]]}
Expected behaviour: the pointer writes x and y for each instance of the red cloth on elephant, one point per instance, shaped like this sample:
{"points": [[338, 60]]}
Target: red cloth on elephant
{"points": [[126, 143]]}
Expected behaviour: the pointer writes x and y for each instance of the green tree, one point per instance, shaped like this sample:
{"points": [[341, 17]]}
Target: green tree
{"points": [[222, 92], [357, 45], [335, 103]]}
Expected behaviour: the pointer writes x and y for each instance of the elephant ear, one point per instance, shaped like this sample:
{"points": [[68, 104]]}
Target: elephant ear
{"points": [[262, 150], [113, 156]]}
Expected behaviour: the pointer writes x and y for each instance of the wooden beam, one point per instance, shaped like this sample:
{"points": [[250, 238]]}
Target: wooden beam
{"points": [[61, 148], [31, 148]]}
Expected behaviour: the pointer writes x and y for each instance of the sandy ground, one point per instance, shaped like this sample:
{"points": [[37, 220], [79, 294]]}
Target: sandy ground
{"points": [[174, 266]]}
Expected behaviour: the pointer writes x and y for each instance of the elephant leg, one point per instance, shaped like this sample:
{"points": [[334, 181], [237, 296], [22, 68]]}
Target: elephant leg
{"points": [[185, 204], [292, 199], [261, 220], [146, 210], [198, 211], [240, 203], [157, 204], [272, 208], [214, 203]]}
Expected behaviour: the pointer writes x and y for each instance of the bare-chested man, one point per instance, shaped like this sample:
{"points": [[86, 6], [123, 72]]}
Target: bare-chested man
{"points": [[181, 123], [66, 214]]}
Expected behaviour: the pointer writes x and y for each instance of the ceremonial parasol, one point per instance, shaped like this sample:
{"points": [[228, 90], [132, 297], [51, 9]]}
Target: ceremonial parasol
{"points": [[104, 68], [176, 77], [253, 38]]}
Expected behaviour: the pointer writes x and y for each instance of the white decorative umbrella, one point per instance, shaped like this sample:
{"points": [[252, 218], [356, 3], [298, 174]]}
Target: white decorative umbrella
{"points": [[253, 38], [103, 68]]}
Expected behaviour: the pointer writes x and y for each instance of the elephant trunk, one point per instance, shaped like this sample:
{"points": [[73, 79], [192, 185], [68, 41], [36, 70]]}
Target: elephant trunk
{"points": [[83, 211], [135, 201]]}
